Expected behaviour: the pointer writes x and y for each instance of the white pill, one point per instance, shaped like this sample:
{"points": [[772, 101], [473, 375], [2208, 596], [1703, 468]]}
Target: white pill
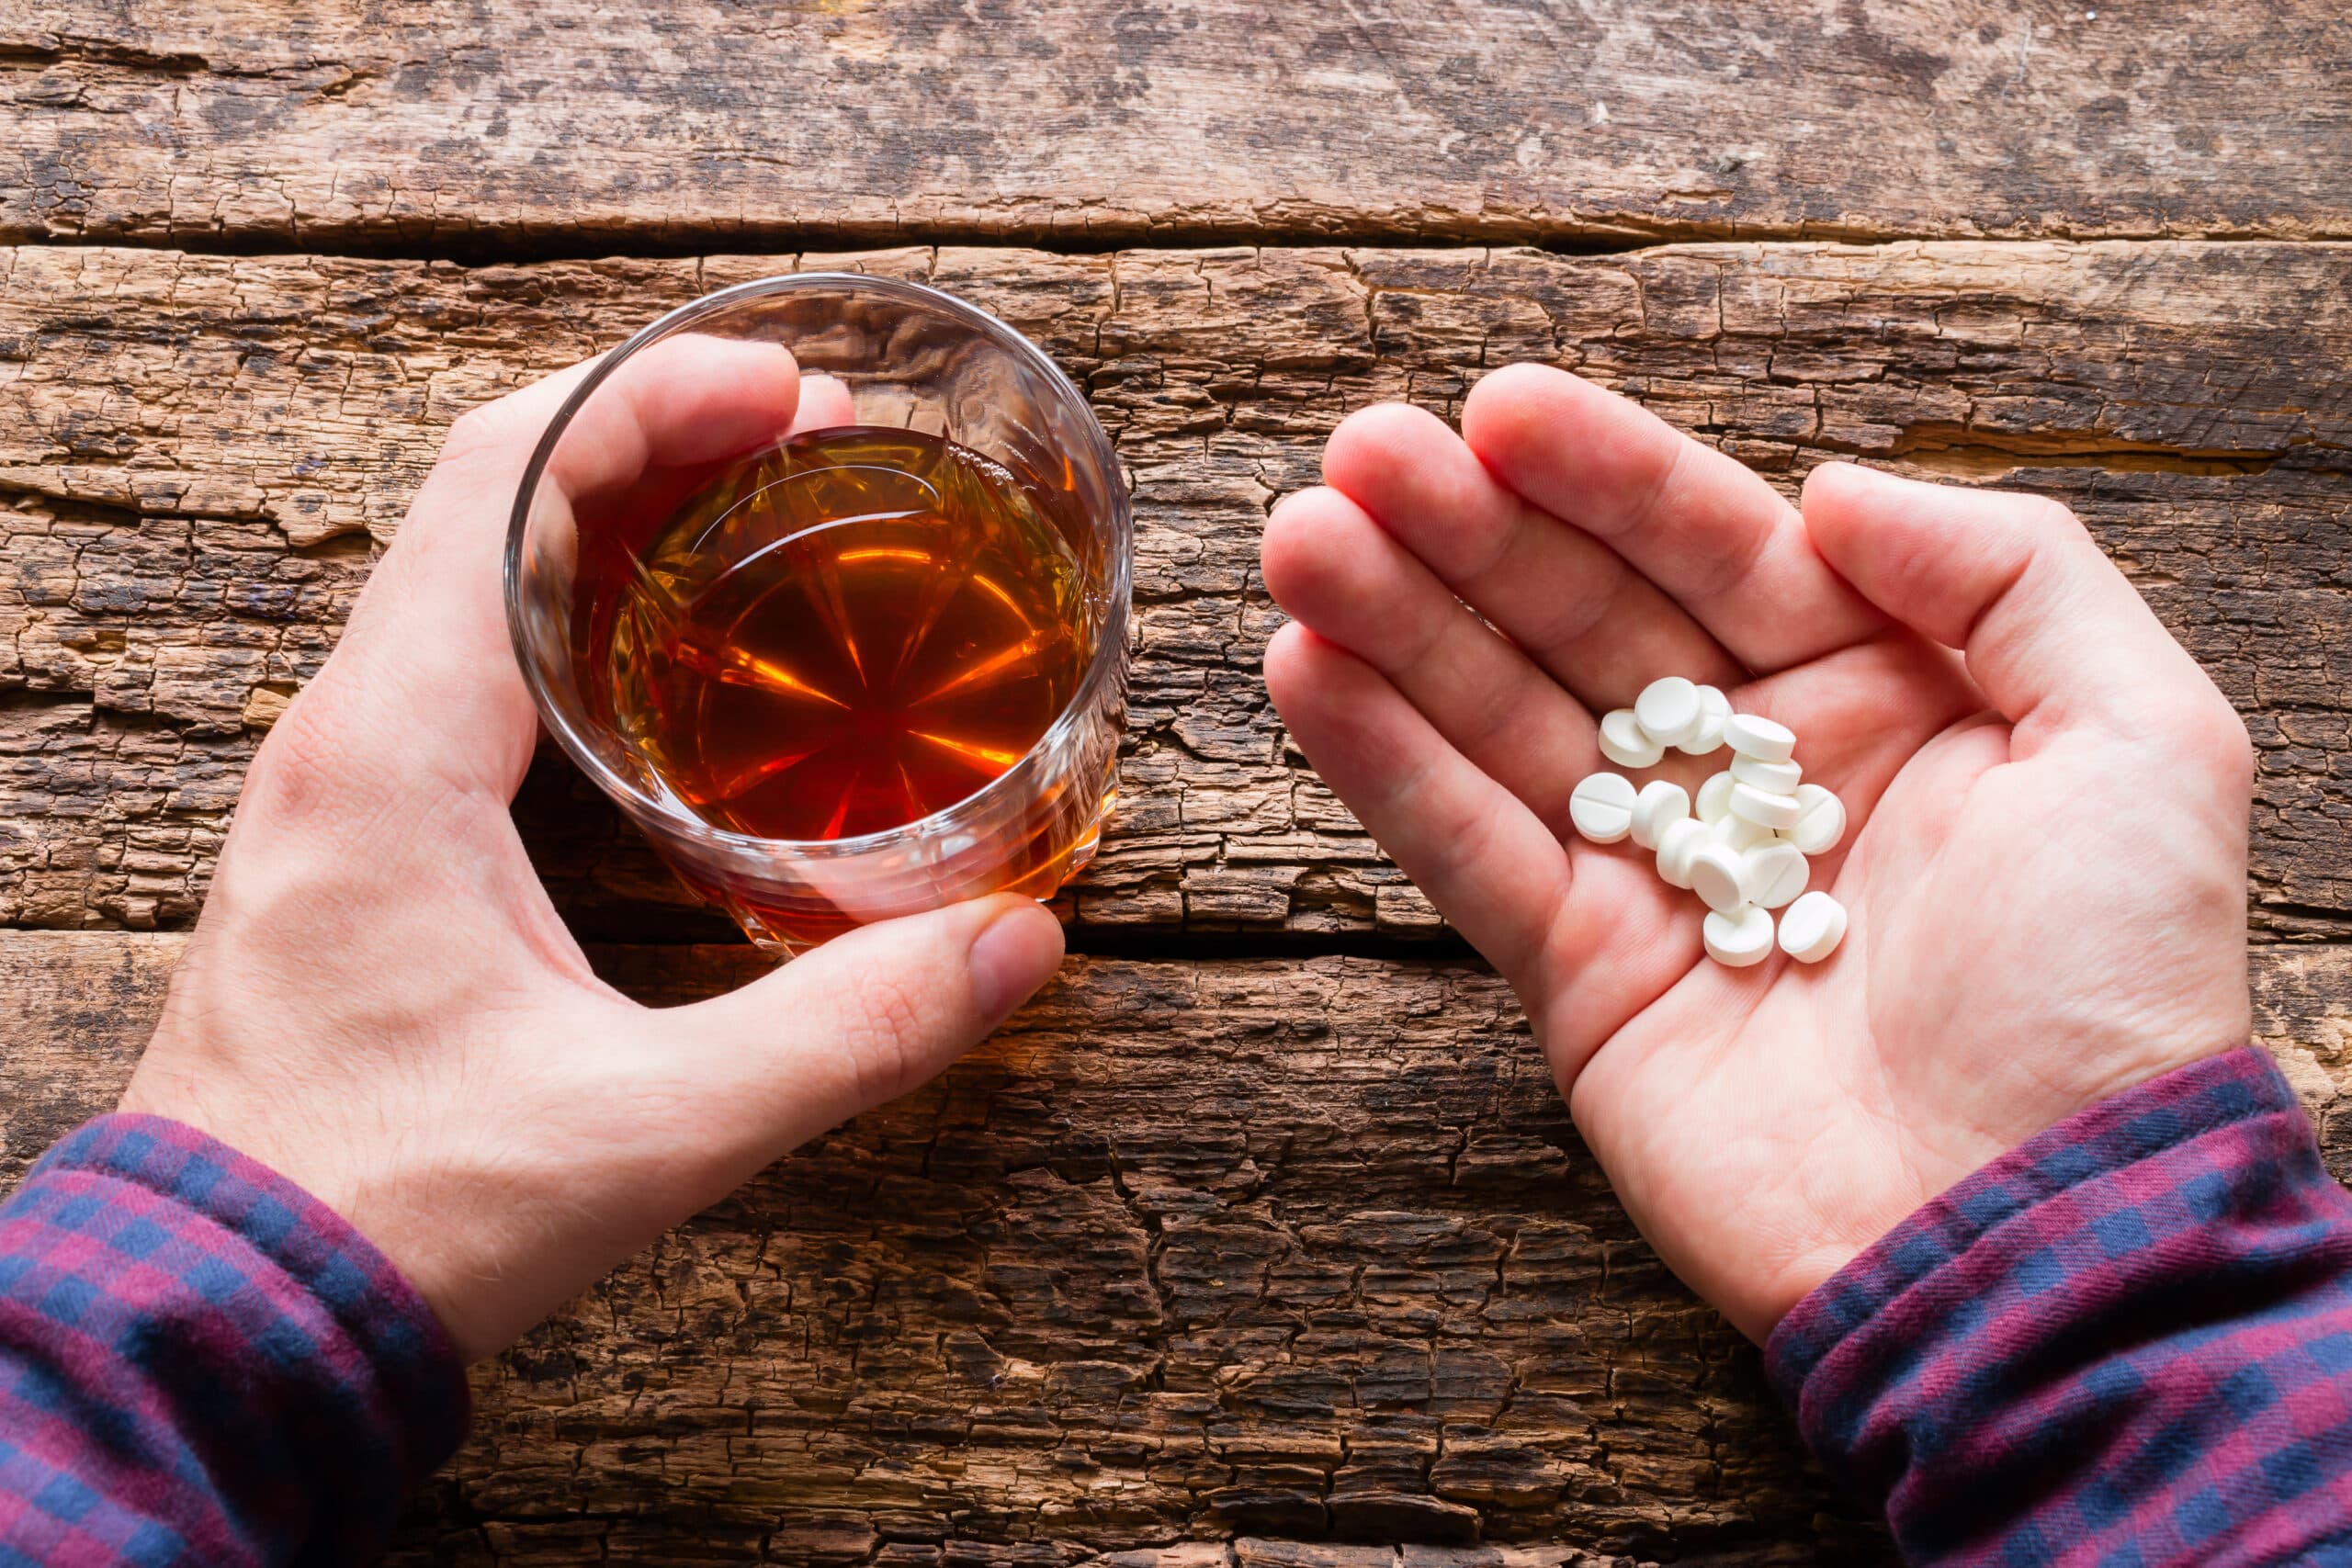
{"points": [[1753, 736], [1773, 778], [1708, 736], [1737, 938], [1773, 873], [1624, 743], [1657, 808], [1763, 808], [1714, 798], [1812, 928], [1603, 808], [1716, 869], [1821, 820], [1668, 710], [1740, 833], [1675, 847]]}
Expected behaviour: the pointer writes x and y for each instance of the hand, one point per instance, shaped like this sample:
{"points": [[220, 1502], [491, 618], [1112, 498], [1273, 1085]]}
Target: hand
{"points": [[381, 1004], [2045, 865]]}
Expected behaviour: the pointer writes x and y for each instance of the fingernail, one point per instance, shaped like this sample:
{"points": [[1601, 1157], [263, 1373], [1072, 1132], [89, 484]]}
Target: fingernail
{"points": [[1014, 953]]}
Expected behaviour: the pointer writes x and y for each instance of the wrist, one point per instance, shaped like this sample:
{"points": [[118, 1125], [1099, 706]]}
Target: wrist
{"points": [[2083, 1297], [1852, 1217]]}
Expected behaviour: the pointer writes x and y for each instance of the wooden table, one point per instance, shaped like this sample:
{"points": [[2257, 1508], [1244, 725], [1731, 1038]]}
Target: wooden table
{"points": [[1262, 1238]]}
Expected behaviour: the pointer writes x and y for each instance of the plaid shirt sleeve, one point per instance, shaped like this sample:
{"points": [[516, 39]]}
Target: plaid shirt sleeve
{"points": [[2127, 1342], [200, 1363]]}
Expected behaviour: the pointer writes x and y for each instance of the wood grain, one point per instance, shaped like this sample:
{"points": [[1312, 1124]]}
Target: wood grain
{"points": [[196, 452], [452, 125], [1189, 1251]]}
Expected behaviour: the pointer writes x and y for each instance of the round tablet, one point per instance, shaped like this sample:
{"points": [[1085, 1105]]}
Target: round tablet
{"points": [[1601, 808], [1812, 928], [1752, 735], [1715, 871], [1774, 872], [1668, 710], [1773, 778], [1714, 798], [1657, 808], [1624, 742], [1714, 708], [1675, 847], [1763, 808], [1821, 820], [1740, 833], [1737, 938]]}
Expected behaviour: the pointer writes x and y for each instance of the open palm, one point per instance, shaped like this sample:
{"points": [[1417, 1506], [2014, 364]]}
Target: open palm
{"points": [[2045, 865]]}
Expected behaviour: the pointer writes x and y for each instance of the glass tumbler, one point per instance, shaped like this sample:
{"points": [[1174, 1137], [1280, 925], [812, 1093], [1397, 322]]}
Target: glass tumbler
{"points": [[660, 416]]}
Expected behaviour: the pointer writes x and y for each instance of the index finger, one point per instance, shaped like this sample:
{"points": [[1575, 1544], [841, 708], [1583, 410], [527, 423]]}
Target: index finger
{"points": [[1474, 847], [1701, 525]]}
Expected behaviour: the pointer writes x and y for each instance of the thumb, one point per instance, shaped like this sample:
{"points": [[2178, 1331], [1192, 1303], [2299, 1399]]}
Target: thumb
{"points": [[2056, 637], [871, 1014]]}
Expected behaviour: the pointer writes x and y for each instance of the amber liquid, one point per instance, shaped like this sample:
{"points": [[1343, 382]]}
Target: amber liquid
{"points": [[846, 633]]}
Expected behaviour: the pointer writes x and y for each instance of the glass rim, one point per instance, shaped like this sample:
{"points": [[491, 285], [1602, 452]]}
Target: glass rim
{"points": [[1110, 644]]}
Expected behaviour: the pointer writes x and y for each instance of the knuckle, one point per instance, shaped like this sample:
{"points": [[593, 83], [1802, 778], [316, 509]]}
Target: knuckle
{"points": [[2048, 512], [2217, 732], [2039, 525], [488, 432], [470, 432], [481, 426], [293, 773], [878, 1038], [315, 758], [2197, 723], [2039, 517]]}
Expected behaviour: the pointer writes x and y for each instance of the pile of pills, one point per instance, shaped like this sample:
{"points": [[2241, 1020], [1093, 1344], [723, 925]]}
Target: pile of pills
{"points": [[1742, 846]]}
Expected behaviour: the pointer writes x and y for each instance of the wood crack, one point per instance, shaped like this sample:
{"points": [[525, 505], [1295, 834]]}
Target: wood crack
{"points": [[2161, 391], [1963, 451]]}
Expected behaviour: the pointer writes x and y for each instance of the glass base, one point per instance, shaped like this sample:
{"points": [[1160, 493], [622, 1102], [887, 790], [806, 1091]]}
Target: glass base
{"points": [[785, 935]]}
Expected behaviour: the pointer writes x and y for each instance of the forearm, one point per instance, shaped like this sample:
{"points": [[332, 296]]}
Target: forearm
{"points": [[200, 1363], [2129, 1340]]}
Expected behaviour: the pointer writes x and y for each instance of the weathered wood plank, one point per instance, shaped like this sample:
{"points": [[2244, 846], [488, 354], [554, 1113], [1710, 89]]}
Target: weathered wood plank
{"points": [[195, 452], [694, 123], [1191, 1251]]}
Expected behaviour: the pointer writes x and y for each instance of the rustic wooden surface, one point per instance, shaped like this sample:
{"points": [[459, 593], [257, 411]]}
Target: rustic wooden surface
{"points": [[697, 123], [1300, 1249], [1262, 1239]]}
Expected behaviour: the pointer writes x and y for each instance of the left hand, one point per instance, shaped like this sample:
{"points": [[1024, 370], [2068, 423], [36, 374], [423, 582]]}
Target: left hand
{"points": [[381, 1004], [2045, 862]]}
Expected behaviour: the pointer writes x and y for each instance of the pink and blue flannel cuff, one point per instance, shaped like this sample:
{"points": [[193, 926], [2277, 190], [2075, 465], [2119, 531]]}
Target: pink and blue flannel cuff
{"points": [[201, 1363], [2128, 1342]]}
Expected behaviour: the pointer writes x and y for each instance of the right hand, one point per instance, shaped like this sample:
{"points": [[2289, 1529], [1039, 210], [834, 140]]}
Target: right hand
{"points": [[2045, 866], [381, 1004]]}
